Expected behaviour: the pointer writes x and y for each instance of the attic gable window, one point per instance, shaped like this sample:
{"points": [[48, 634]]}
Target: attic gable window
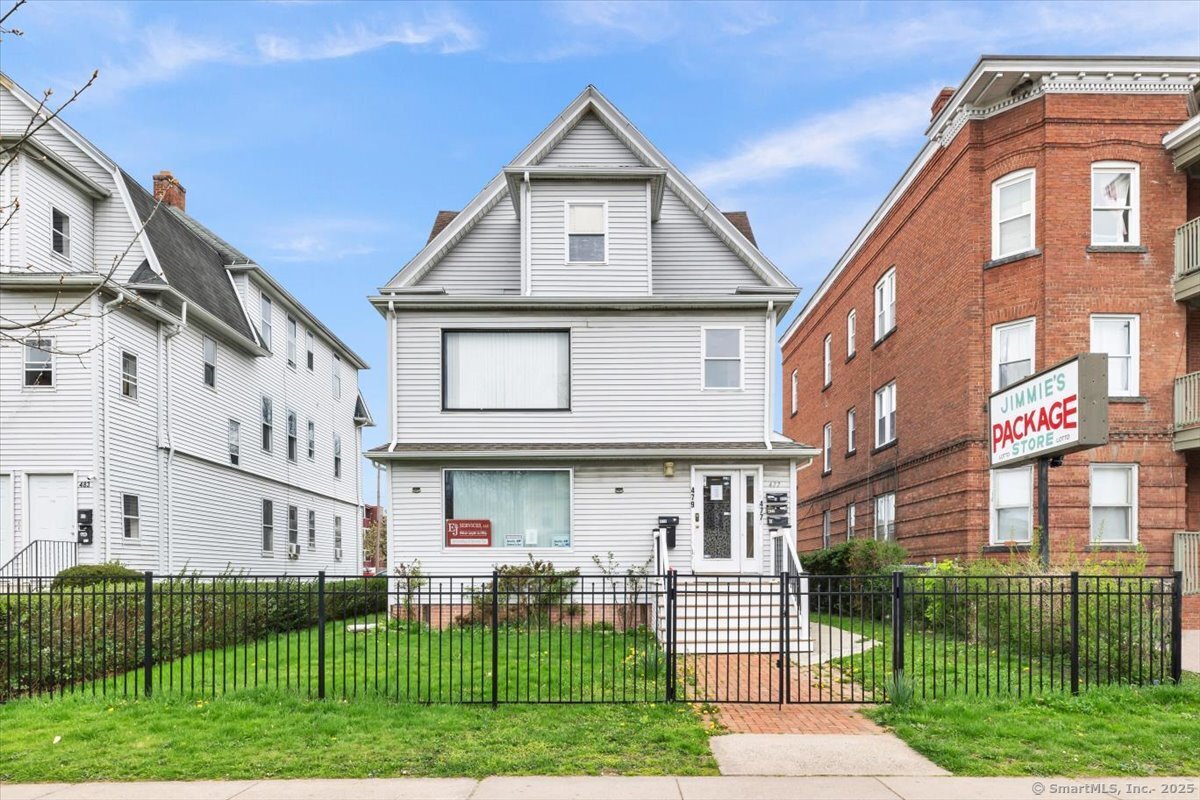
{"points": [[587, 224], [60, 233]]}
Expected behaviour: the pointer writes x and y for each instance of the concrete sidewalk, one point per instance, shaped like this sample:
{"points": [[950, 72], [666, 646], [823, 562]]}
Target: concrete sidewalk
{"points": [[614, 788]]}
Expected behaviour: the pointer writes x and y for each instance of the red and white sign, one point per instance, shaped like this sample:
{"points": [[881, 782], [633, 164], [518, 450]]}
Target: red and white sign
{"points": [[468, 533]]}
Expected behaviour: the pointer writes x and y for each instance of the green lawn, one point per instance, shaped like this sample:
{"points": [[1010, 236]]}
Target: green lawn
{"points": [[270, 734], [1151, 730]]}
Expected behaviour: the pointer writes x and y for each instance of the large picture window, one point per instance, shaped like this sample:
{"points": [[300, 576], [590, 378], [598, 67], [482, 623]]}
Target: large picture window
{"points": [[506, 370], [527, 508]]}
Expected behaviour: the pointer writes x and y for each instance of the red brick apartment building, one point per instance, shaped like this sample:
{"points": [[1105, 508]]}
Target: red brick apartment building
{"points": [[1054, 209]]}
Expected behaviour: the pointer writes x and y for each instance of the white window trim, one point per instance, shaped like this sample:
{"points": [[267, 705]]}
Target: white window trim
{"points": [[262, 423], [890, 275], [310, 350], [121, 378], [293, 516], [851, 521], [311, 532], [43, 387], [266, 323], [827, 359], [996, 329], [338, 550], [204, 339], [1135, 197], [1133, 516], [66, 254], [851, 429], [1002, 183], [795, 391], [293, 340], [137, 518], [310, 440], [851, 333], [994, 510], [875, 517], [567, 232], [266, 523], [741, 387], [826, 529], [827, 448], [291, 435], [570, 511], [875, 420], [337, 456], [336, 377], [233, 426], [1135, 349]]}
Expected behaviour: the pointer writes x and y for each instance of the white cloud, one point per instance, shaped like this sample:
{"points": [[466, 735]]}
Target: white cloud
{"points": [[839, 140], [165, 53], [324, 239], [444, 32]]}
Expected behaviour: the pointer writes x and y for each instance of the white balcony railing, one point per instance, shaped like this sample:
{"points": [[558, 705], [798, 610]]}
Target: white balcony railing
{"points": [[1187, 560], [1187, 248], [1187, 400]]}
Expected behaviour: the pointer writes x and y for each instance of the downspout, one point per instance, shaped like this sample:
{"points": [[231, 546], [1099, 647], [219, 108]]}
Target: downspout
{"points": [[393, 377], [526, 245], [171, 334], [768, 331], [105, 310]]}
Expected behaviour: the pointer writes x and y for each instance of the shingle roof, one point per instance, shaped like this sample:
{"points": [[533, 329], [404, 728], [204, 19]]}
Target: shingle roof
{"points": [[631, 447], [442, 219], [191, 265], [144, 274], [741, 221]]}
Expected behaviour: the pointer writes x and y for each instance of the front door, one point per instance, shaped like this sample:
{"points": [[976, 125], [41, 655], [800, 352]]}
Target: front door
{"points": [[726, 520], [51, 512]]}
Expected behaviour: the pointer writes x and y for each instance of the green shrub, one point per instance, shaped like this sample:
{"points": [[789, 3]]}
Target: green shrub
{"points": [[90, 574], [527, 593], [855, 557], [853, 578]]}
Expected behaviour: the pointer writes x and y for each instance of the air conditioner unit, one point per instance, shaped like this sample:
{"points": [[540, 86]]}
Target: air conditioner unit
{"points": [[293, 551], [337, 554]]}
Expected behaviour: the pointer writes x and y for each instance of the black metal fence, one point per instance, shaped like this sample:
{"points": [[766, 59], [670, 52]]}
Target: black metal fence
{"points": [[513, 637]]}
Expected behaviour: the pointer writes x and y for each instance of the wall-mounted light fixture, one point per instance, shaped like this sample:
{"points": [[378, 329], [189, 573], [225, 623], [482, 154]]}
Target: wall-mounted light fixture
{"points": [[668, 469], [619, 490], [416, 490]]}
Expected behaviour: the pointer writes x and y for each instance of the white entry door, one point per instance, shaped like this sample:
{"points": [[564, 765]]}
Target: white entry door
{"points": [[51, 511], [726, 520], [7, 534]]}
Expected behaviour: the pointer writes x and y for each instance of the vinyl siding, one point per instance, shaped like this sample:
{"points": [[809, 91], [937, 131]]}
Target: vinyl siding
{"points": [[603, 521], [625, 272], [635, 376], [689, 258], [41, 191], [590, 142], [487, 260]]}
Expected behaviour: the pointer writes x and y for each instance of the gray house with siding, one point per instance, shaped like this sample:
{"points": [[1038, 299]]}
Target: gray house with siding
{"points": [[585, 348]]}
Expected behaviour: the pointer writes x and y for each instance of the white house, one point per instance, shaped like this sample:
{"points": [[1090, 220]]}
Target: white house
{"points": [[584, 349], [189, 414]]}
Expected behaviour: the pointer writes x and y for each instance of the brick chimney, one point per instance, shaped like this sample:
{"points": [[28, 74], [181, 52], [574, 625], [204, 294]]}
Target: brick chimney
{"points": [[169, 190], [943, 97]]}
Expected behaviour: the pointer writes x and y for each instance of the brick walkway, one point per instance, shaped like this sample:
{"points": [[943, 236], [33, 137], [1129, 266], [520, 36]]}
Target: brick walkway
{"points": [[754, 680]]}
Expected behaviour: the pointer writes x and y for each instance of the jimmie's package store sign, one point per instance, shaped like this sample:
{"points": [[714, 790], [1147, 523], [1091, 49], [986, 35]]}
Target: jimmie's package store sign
{"points": [[1057, 411]]}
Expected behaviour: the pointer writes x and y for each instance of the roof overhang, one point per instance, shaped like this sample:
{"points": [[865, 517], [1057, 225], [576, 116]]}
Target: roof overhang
{"points": [[615, 452], [52, 161], [1184, 144], [656, 176], [427, 301]]}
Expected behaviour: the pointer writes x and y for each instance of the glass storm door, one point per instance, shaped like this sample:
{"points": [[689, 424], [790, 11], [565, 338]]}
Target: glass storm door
{"points": [[726, 521]]}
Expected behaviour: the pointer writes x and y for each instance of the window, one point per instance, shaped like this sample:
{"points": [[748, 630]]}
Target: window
{"points": [[825, 532], [795, 391], [722, 358], [310, 354], [1119, 336], [337, 377], [885, 304], [292, 333], [265, 320], [527, 508], [337, 456], [1115, 203], [885, 415], [885, 517], [506, 370], [268, 526], [234, 437], [828, 354], [1012, 214], [293, 527], [827, 447], [312, 528], [132, 526], [851, 430], [268, 423], [1012, 505], [291, 436], [851, 521], [337, 538], [851, 332], [312, 440], [210, 362], [60, 233], [39, 363], [1012, 352], [129, 383], [1114, 503], [586, 226]]}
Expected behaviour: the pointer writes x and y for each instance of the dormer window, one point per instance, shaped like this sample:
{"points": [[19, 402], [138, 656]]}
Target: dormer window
{"points": [[587, 224]]}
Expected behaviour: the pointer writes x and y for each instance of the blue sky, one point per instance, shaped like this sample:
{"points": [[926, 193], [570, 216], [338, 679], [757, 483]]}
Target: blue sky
{"points": [[321, 138]]}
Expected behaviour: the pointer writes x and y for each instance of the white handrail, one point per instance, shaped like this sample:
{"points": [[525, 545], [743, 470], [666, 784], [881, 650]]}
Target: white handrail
{"points": [[662, 565], [792, 566]]}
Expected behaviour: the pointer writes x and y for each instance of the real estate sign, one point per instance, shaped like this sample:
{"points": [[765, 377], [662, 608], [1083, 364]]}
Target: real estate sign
{"points": [[1057, 411]]}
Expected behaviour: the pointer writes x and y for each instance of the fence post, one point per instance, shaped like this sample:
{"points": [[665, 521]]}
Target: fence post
{"points": [[785, 649], [495, 638], [321, 635], [897, 625], [1177, 626], [1074, 633], [672, 622], [148, 633]]}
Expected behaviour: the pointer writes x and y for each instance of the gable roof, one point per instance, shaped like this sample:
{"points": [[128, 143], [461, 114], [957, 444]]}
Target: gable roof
{"points": [[590, 102], [191, 265]]}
